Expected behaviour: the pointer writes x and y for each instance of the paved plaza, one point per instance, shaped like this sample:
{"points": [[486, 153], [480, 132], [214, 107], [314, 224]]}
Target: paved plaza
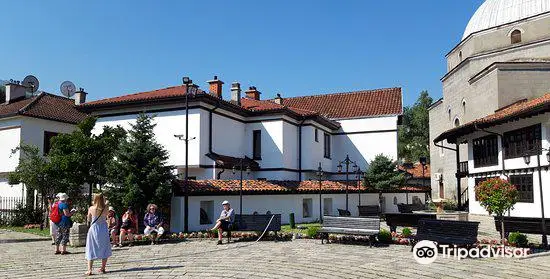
{"points": [[28, 256]]}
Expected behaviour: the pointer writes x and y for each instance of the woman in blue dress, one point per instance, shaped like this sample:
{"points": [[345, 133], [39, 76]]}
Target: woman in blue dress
{"points": [[98, 243]]}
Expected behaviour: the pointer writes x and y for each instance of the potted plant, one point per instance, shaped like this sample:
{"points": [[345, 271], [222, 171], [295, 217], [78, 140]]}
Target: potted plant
{"points": [[79, 230]]}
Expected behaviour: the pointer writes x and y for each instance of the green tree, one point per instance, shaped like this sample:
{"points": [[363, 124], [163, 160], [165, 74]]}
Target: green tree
{"points": [[140, 173], [382, 174], [81, 158], [413, 133], [497, 196], [35, 171]]}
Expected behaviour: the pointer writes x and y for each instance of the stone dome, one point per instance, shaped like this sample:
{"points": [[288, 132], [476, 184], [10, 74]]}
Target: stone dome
{"points": [[497, 12]]}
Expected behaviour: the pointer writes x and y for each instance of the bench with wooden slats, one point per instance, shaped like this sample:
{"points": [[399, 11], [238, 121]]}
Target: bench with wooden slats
{"points": [[369, 210], [461, 233], [350, 226], [255, 222], [409, 208], [522, 225], [406, 219]]}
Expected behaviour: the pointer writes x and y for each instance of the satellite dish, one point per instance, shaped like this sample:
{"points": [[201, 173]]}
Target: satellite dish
{"points": [[68, 89], [31, 83]]}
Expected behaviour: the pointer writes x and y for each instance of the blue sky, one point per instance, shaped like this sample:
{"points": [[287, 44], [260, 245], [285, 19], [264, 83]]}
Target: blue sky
{"points": [[112, 48]]}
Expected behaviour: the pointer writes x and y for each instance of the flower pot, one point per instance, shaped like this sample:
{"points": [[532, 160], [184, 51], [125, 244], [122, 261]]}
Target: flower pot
{"points": [[77, 235]]}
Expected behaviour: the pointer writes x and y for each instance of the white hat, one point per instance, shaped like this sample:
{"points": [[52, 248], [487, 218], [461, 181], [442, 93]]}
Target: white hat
{"points": [[111, 208], [225, 202], [62, 196]]}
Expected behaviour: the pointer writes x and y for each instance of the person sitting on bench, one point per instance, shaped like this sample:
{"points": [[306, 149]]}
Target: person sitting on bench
{"points": [[225, 221], [153, 223]]}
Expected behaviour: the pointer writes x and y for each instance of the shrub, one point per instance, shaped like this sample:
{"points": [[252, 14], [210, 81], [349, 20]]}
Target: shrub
{"points": [[25, 215], [406, 232], [518, 239], [384, 236], [312, 232]]}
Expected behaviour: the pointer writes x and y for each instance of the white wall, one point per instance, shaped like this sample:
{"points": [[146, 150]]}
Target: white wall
{"points": [[277, 204], [272, 142], [10, 137]]}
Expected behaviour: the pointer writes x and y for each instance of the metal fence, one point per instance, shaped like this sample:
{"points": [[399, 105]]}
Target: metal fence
{"points": [[8, 205]]}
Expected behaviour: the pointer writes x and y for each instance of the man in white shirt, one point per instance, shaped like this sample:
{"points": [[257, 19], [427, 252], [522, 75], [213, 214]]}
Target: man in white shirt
{"points": [[225, 221]]}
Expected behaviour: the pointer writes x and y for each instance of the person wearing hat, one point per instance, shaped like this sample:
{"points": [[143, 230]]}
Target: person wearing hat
{"points": [[64, 225], [112, 222], [225, 221]]}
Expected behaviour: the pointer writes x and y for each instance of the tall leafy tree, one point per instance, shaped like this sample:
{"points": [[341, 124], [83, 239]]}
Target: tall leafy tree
{"points": [[382, 174], [140, 172], [413, 133]]}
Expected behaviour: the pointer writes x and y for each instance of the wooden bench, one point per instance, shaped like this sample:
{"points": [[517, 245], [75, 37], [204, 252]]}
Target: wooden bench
{"points": [[461, 233], [406, 219], [255, 222], [409, 208], [369, 210], [522, 225], [350, 226], [343, 212]]}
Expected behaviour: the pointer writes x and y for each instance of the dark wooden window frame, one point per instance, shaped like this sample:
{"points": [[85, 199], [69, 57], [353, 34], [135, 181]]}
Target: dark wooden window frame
{"points": [[524, 184], [257, 144], [316, 135], [48, 141], [515, 36], [485, 151], [326, 147], [521, 142]]}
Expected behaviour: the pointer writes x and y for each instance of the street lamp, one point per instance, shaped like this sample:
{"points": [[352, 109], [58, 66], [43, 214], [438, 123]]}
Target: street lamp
{"points": [[190, 89], [320, 174], [527, 159], [347, 162], [358, 175], [241, 182]]}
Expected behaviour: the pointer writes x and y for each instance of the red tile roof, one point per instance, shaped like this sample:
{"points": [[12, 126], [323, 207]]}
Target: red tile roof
{"points": [[520, 109], [351, 104], [201, 187], [45, 106], [416, 170], [269, 105], [168, 92]]}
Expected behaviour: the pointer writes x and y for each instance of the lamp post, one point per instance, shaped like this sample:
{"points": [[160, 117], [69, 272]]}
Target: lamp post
{"points": [[527, 159], [423, 162], [319, 174], [347, 162], [241, 183], [358, 175], [190, 88]]}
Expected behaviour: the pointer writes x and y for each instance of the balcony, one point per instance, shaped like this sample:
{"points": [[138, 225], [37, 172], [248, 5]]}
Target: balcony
{"points": [[462, 169]]}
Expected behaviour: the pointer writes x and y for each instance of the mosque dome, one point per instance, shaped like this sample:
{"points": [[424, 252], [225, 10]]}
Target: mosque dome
{"points": [[493, 13]]}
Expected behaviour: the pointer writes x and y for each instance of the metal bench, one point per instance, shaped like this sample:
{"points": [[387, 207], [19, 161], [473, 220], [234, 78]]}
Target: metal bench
{"points": [[343, 212], [350, 226], [461, 233], [522, 225], [255, 222], [409, 208], [406, 219], [369, 210]]}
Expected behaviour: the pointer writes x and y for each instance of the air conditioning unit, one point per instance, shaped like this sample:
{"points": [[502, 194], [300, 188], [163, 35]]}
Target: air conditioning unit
{"points": [[438, 176]]}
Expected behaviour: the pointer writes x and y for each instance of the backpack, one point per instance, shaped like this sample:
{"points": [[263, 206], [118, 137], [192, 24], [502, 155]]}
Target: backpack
{"points": [[55, 215]]}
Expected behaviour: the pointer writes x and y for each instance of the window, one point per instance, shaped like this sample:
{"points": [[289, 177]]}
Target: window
{"points": [[316, 135], [327, 206], [524, 184], [395, 200], [460, 56], [449, 113], [257, 144], [524, 141], [327, 146], [307, 205], [48, 141], [206, 212], [457, 122], [463, 106], [485, 151], [515, 36]]}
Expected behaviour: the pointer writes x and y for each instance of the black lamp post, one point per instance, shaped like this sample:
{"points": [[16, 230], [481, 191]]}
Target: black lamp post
{"points": [[347, 162], [190, 88], [358, 175], [319, 174], [423, 162], [527, 159], [241, 183]]}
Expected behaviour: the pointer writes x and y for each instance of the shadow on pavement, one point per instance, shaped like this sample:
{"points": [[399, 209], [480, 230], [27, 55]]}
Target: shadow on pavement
{"points": [[143, 268], [2, 241]]}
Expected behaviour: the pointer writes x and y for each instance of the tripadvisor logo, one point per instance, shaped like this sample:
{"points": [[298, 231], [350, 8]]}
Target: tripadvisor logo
{"points": [[426, 252]]}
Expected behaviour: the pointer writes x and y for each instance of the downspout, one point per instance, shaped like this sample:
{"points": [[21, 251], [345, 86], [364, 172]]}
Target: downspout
{"points": [[501, 142], [300, 150]]}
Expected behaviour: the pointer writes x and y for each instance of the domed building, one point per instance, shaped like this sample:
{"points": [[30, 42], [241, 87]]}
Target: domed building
{"points": [[499, 69]]}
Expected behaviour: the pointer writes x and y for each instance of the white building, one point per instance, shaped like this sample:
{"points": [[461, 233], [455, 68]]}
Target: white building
{"points": [[281, 139], [31, 120], [502, 58]]}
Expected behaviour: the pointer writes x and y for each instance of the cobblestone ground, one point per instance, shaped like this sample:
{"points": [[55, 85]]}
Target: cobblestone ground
{"points": [[28, 256]]}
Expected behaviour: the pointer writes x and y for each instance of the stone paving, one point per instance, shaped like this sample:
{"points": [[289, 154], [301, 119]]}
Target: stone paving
{"points": [[27, 256]]}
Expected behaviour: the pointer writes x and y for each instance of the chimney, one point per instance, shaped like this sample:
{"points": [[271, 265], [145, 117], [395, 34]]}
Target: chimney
{"points": [[216, 87], [279, 99], [14, 91], [80, 96], [236, 93], [253, 93]]}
